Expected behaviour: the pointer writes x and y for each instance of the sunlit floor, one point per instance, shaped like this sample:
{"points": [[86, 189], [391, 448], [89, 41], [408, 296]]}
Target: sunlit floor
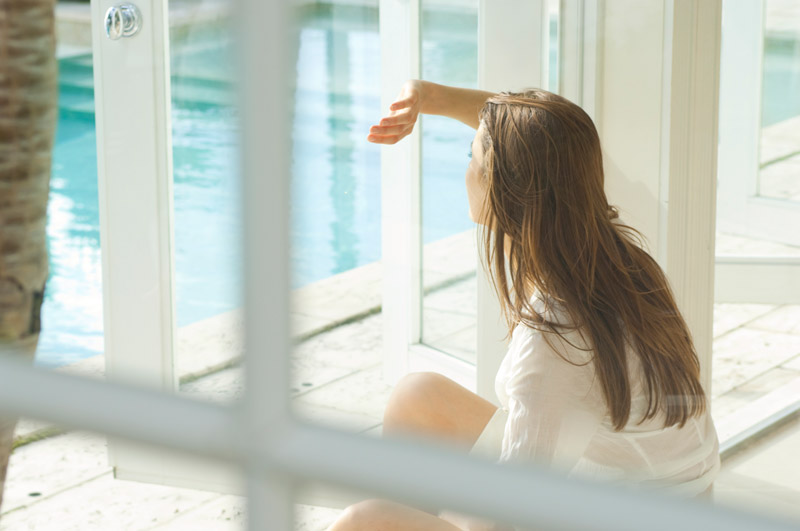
{"points": [[766, 477], [64, 482]]}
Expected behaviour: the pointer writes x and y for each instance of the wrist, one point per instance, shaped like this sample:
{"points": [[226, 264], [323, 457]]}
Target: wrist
{"points": [[426, 91]]}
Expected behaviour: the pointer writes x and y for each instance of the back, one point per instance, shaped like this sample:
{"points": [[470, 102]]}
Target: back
{"points": [[557, 416]]}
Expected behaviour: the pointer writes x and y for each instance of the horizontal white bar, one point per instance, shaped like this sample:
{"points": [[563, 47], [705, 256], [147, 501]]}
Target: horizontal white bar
{"points": [[433, 476], [772, 410], [757, 280], [409, 472], [115, 409], [765, 261]]}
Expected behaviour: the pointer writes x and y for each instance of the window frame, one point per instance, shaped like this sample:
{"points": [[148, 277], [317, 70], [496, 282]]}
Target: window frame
{"points": [[749, 279]]}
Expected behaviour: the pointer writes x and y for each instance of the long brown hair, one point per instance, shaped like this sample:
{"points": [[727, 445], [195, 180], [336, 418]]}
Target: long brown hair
{"points": [[545, 200]]}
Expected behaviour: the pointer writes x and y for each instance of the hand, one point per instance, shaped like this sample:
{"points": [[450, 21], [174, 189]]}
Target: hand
{"points": [[402, 116]]}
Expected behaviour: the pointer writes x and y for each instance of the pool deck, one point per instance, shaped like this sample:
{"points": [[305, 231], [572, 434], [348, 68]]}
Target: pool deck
{"points": [[337, 381]]}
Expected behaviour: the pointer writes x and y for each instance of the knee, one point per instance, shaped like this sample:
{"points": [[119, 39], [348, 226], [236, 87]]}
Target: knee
{"points": [[362, 515], [410, 397]]}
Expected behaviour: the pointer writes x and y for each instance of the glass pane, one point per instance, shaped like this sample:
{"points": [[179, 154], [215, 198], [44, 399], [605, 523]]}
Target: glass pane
{"points": [[553, 55], [206, 191], [336, 363], [449, 56], [780, 103], [72, 314], [756, 346]]}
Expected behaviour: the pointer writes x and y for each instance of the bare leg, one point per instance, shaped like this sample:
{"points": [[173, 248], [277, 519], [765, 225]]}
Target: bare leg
{"points": [[431, 405], [384, 515]]}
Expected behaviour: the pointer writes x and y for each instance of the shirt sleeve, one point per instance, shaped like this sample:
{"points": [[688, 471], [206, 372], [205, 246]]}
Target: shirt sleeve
{"points": [[554, 407]]}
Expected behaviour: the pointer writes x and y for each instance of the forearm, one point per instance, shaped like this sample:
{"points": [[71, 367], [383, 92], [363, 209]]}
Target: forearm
{"points": [[459, 103]]}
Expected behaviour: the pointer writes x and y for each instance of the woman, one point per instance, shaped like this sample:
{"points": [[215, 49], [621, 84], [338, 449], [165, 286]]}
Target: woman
{"points": [[601, 379]]}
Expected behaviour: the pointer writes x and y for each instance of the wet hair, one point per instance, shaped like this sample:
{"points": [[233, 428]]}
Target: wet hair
{"points": [[544, 172]]}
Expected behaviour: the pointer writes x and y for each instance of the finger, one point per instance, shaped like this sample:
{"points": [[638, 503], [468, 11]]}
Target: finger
{"points": [[385, 139], [388, 130], [405, 118], [403, 104]]}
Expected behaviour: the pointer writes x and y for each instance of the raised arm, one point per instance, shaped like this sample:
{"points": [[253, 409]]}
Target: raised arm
{"points": [[419, 96]]}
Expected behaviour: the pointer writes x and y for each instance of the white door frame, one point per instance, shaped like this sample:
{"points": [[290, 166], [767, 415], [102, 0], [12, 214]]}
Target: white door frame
{"points": [[504, 27], [656, 112], [655, 105], [134, 146]]}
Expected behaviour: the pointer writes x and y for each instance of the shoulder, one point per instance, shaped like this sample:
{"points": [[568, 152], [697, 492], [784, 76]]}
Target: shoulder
{"points": [[557, 336], [546, 364], [563, 350]]}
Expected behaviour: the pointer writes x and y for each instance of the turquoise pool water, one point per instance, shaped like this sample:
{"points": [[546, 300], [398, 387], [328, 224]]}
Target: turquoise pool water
{"points": [[780, 97]]}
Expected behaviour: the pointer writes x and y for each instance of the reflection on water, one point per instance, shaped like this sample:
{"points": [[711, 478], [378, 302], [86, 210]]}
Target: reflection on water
{"points": [[335, 206]]}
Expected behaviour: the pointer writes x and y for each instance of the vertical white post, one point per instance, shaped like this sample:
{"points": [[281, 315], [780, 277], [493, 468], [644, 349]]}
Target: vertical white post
{"points": [[657, 108], [591, 57], [512, 55], [571, 39], [401, 231], [580, 41], [512, 44], [267, 84], [693, 133], [135, 196], [132, 102], [741, 73]]}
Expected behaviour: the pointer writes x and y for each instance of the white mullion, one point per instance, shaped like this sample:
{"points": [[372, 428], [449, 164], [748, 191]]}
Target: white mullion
{"points": [[401, 232], [592, 54], [758, 25], [132, 105], [740, 111], [270, 501], [266, 93], [580, 53], [693, 130], [571, 47], [135, 197], [163, 148], [504, 28], [119, 410]]}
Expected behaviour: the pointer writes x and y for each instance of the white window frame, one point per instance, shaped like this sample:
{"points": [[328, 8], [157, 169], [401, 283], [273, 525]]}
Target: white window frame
{"points": [[274, 451], [746, 279], [504, 27]]}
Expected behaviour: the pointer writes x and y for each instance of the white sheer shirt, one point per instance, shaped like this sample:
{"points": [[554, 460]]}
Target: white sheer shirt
{"points": [[557, 416]]}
